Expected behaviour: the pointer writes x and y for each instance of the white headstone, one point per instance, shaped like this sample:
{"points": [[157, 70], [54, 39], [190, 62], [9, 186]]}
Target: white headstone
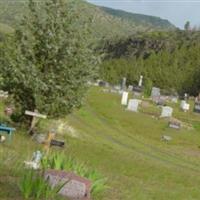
{"points": [[133, 105], [140, 81], [124, 100], [166, 111], [185, 106]]}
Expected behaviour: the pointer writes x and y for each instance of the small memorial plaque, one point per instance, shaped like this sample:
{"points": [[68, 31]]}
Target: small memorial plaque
{"points": [[74, 187]]}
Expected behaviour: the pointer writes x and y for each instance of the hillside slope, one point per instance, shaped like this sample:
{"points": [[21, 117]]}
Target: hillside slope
{"points": [[125, 147], [140, 19], [106, 22]]}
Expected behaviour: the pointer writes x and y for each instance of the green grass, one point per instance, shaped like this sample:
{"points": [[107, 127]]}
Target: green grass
{"points": [[123, 146]]}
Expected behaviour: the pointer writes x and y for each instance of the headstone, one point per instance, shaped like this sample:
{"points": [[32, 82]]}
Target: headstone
{"points": [[124, 100], [123, 84], [161, 101], [133, 105], [74, 187], [140, 81], [155, 94], [166, 111], [197, 107], [185, 106]]}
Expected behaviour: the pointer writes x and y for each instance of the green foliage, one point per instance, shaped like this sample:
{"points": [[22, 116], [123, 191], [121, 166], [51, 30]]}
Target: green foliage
{"points": [[59, 161], [49, 60], [33, 186], [106, 24], [150, 22], [172, 63]]}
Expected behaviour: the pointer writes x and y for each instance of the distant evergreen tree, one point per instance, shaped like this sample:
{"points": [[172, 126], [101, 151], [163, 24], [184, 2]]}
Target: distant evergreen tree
{"points": [[187, 26]]}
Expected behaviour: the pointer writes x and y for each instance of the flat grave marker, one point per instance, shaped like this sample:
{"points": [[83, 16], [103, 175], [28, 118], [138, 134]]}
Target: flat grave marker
{"points": [[175, 124], [74, 187]]}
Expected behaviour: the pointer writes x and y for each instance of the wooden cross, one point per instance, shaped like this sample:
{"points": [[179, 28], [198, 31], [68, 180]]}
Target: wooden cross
{"points": [[35, 115]]}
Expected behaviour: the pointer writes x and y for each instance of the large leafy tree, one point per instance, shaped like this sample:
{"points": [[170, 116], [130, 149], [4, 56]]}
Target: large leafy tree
{"points": [[48, 62]]}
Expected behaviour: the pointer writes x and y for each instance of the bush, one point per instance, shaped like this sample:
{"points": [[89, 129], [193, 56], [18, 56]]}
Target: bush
{"points": [[33, 186]]}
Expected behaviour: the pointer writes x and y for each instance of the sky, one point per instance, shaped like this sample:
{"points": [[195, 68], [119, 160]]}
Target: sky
{"points": [[176, 11]]}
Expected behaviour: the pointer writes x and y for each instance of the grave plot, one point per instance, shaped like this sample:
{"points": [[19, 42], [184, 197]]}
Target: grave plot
{"points": [[74, 187]]}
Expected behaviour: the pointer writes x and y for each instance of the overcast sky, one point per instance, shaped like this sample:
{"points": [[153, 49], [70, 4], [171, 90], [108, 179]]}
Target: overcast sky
{"points": [[176, 11]]}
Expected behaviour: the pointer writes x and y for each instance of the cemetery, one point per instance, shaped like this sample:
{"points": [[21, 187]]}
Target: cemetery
{"points": [[140, 115], [97, 103]]}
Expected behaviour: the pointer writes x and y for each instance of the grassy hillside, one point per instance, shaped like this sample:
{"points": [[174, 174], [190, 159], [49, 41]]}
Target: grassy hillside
{"points": [[139, 19], [125, 147], [106, 23]]}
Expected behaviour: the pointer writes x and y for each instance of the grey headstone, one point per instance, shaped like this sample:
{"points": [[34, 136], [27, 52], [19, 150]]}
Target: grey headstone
{"points": [[123, 84], [155, 92], [133, 104]]}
